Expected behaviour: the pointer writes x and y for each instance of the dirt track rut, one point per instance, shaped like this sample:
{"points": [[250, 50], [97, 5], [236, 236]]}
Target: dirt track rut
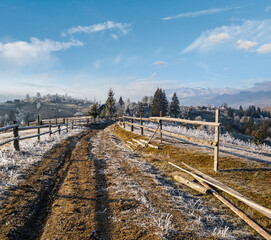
{"points": [[90, 187]]}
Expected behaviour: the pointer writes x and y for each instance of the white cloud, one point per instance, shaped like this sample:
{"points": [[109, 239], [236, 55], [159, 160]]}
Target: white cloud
{"points": [[123, 28], [216, 38], [250, 31], [265, 48], [199, 13], [118, 58], [268, 9], [23, 53], [246, 44], [161, 63], [114, 36]]}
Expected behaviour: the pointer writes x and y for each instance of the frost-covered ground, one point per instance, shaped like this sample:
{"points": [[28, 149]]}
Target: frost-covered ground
{"points": [[145, 183], [228, 144], [13, 164]]}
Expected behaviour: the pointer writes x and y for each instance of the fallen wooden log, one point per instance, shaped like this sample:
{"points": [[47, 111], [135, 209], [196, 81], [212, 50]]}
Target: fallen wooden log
{"points": [[190, 184], [140, 143], [237, 211], [133, 144], [150, 145], [265, 211], [127, 146]]}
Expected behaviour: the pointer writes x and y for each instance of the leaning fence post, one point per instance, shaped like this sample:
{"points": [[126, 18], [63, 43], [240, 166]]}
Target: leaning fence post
{"points": [[141, 128], [123, 121], [160, 123], [59, 128], [132, 124], [16, 135], [50, 128], [216, 148], [72, 124], [38, 124]]}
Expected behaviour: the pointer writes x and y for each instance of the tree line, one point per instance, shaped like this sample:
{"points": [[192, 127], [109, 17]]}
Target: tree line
{"points": [[153, 106]]}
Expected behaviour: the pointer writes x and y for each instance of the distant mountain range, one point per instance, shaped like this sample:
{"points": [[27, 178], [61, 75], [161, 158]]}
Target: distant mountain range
{"points": [[257, 96]]}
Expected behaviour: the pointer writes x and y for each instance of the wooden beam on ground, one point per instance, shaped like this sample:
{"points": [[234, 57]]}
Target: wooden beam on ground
{"points": [[133, 144], [237, 211], [140, 143], [150, 145], [192, 185], [213, 182]]}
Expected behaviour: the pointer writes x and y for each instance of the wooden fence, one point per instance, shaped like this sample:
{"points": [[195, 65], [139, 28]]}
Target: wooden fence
{"points": [[64, 125], [130, 121]]}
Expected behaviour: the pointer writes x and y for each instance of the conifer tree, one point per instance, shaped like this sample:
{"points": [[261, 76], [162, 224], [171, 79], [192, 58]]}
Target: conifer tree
{"points": [[164, 106], [93, 111], [140, 108], [240, 112], [110, 103], [121, 102], [156, 103], [174, 108], [159, 103]]}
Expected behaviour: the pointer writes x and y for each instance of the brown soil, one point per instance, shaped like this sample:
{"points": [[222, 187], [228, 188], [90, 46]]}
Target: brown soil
{"points": [[248, 177], [90, 187]]}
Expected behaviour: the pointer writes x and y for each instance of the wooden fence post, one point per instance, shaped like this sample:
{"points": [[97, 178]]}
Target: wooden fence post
{"points": [[132, 126], [50, 128], [16, 134], [67, 124], [56, 121], [123, 121], [141, 129], [58, 128], [38, 123], [160, 123], [216, 148]]}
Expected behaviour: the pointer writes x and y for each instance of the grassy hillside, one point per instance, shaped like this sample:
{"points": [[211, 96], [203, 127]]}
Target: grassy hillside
{"points": [[47, 109]]}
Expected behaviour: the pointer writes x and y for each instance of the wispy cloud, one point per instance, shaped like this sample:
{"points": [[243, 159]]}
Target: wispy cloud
{"points": [[268, 9], [199, 13], [118, 58], [23, 53], [161, 63], [121, 28], [265, 48], [243, 36], [246, 44]]}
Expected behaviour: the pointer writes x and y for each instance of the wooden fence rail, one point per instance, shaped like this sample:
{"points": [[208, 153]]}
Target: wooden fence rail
{"points": [[17, 128], [129, 121]]}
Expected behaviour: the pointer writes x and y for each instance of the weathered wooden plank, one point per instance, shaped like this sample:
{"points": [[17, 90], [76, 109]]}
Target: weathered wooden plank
{"points": [[190, 184], [237, 211], [190, 139], [140, 143], [150, 145], [185, 121], [9, 127], [265, 211]]}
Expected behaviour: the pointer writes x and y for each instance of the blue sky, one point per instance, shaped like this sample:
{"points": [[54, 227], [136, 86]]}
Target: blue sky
{"points": [[85, 47]]}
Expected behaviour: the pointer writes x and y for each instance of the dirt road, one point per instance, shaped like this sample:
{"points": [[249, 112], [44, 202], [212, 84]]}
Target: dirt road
{"points": [[91, 187]]}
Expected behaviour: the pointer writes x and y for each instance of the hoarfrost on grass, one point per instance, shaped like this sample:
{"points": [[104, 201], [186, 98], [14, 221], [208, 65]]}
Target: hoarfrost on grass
{"points": [[13, 164], [208, 134]]}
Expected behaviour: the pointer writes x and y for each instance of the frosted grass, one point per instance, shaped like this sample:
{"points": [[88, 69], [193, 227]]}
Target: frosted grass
{"points": [[208, 134], [14, 164]]}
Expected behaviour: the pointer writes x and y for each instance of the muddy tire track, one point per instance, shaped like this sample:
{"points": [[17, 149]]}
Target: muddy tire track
{"points": [[91, 187]]}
